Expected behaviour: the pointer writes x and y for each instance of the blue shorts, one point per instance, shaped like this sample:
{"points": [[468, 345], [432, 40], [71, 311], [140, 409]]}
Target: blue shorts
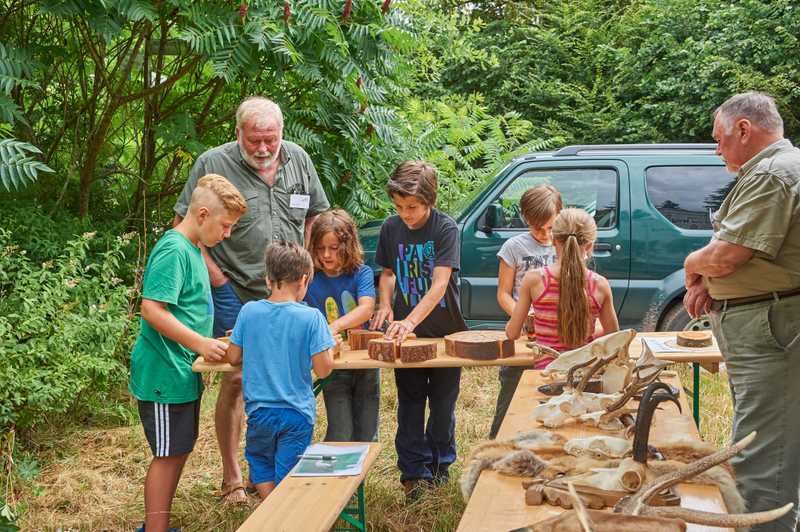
{"points": [[276, 437], [226, 308]]}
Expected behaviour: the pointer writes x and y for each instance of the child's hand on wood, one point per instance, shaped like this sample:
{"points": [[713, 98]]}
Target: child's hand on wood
{"points": [[381, 315], [399, 330], [213, 350]]}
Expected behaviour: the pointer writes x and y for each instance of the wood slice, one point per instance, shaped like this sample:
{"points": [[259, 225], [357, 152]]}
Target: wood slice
{"points": [[530, 327], [382, 349], [417, 350], [694, 338], [359, 338], [479, 345]]}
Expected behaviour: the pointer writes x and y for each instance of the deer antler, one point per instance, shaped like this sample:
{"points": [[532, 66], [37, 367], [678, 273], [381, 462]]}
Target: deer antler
{"points": [[637, 504]]}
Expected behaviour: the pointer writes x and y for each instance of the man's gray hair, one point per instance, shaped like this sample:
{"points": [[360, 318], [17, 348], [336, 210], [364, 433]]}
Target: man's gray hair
{"points": [[258, 111], [759, 108]]}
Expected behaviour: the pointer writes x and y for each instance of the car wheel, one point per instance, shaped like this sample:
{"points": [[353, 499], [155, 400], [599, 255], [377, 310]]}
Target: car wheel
{"points": [[677, 319]]}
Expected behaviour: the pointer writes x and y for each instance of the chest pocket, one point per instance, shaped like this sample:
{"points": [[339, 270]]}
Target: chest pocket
{"points": [[253, 208], [299, 200]]}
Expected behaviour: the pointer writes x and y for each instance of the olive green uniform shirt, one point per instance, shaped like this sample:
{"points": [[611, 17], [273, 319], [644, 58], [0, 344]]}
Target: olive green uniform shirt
{"points": [[762, 212], [273, 213], [176, 274]]}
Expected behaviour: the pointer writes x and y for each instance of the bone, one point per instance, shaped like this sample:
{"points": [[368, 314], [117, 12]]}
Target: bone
{"points": [[616, 342], [598, 447]]}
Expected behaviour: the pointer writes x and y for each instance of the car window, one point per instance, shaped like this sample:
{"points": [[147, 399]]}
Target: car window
{"points": [[687, 196], [592, 189]]}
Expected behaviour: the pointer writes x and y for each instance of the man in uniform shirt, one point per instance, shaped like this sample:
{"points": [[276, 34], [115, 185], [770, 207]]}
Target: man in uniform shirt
{"points": [[748, 279], [284, 197]]}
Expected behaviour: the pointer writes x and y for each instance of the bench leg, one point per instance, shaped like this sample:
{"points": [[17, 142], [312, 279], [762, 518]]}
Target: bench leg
{"points": [[349, 514], [319, 384], [696, 393]]}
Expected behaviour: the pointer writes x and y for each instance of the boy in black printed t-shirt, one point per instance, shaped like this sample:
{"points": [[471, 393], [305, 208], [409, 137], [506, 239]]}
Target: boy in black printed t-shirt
{"points": [[420, 254]]}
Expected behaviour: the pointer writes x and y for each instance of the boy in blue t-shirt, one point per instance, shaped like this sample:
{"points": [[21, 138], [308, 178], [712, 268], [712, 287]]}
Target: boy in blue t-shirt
{"points": [[279, 339]]}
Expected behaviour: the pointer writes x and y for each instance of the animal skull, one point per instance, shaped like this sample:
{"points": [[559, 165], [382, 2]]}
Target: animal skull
{"points": [[599, 447]]}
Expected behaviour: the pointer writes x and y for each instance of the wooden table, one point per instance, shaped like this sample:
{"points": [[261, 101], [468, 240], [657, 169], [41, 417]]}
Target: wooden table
{"points": [[710, 360], [498, 501], [359, 359], [312, 503]]}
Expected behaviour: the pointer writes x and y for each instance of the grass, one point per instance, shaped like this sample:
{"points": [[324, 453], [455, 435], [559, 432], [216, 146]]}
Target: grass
{"points": [[93, 479]]}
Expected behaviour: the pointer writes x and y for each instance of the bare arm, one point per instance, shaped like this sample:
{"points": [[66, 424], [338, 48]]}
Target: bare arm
{"points": [[356, 317], [717, 259], [505, 287], [234, 354], [400, 329], [608, 316], [531, 283], [385, 293], [215, 275], [156, 314], [307, 229], [322, 363]]}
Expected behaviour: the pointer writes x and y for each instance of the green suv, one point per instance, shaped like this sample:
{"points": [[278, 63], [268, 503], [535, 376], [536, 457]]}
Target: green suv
{"points": [[652, 204]]}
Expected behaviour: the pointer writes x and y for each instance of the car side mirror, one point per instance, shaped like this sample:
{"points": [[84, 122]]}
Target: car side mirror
{"points": [[495, 217]]}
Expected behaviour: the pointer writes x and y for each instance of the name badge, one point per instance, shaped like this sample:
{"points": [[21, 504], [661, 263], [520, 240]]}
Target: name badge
{"points": [[299, 201]]}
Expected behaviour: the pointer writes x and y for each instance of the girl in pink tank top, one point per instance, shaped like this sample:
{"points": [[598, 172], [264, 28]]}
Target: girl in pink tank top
{"points": [[567, 298]]}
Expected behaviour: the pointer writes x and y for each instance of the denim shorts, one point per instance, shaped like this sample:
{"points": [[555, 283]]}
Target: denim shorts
{"points": [[276, 437], [226, 308]]}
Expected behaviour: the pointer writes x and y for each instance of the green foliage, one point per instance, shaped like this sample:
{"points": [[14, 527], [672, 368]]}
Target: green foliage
{"points": [[64, 331], [17, 167]]}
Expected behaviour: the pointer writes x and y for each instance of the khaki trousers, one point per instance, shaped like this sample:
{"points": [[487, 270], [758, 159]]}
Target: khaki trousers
{"points": [[760, 343]]}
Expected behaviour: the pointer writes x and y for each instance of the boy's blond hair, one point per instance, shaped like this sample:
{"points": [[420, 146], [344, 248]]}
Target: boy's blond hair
{"points": [[215, 186], [414, 178], [539, 204], [288, 262]]}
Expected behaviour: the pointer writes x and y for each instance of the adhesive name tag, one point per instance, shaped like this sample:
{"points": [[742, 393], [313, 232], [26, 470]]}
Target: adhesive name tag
{"points": [[299, 201]]}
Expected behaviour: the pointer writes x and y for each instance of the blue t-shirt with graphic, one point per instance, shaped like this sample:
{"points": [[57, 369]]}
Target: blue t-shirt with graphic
{"points": [[336, 296], [412, 254], [278, 341]]}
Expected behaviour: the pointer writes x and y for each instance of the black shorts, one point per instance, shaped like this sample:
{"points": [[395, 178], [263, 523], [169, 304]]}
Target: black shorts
{"points": [[171, 429]]}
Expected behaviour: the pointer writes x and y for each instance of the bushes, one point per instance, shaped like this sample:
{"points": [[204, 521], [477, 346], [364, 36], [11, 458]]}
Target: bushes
{"points": [[64, 331]]}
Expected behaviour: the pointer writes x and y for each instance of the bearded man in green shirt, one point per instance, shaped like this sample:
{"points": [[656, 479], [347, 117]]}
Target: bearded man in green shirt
{"points": [[284, 196], [748, 280]]}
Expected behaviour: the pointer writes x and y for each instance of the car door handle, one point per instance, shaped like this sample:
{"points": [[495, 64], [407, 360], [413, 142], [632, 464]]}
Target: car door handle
{"points": [[602, 246]]}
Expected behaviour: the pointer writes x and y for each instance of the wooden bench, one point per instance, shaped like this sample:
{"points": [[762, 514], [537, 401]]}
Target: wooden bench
{"points": [[313, 503], [498, 501]]}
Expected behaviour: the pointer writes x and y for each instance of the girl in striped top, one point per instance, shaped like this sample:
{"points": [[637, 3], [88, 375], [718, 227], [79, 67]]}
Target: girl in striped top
{"points": [[567, 297]]}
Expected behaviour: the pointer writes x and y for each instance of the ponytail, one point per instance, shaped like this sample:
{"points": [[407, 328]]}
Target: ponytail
{"points": [[572, 230]]}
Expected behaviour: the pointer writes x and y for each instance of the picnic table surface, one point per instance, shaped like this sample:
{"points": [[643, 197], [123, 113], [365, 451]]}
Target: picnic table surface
{"points": [[359, 359], [308, 503], [498, 501]]}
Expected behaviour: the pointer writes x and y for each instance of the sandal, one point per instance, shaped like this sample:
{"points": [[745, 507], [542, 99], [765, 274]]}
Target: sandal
{"points": [[227, 493]]}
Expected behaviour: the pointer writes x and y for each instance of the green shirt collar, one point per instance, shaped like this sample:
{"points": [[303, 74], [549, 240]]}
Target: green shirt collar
{"points": [[769, 151]]}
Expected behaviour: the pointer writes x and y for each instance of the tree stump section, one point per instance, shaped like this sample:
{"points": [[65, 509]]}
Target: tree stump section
{"points": [[479, 345], [409, 351], [694, 339], [359, 338]]}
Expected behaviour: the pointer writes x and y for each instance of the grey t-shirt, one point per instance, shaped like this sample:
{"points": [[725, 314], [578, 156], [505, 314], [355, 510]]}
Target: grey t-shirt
{"points": [[524, 253]]}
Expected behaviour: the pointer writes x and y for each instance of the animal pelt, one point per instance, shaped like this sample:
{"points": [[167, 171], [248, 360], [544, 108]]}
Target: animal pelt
{"points": [[605, 522], [518, 463]]}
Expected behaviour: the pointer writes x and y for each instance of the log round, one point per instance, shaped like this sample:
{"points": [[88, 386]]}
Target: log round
{"points": [[479, 345], [694, 338]]}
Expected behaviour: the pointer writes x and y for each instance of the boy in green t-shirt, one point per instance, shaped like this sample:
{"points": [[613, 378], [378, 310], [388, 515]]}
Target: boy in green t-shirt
{"points": [[177, 315]]}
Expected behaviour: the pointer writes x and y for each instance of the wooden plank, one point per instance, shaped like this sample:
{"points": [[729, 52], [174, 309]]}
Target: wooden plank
{"points": [[308, 503], [498, 501], [359, 359]]}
